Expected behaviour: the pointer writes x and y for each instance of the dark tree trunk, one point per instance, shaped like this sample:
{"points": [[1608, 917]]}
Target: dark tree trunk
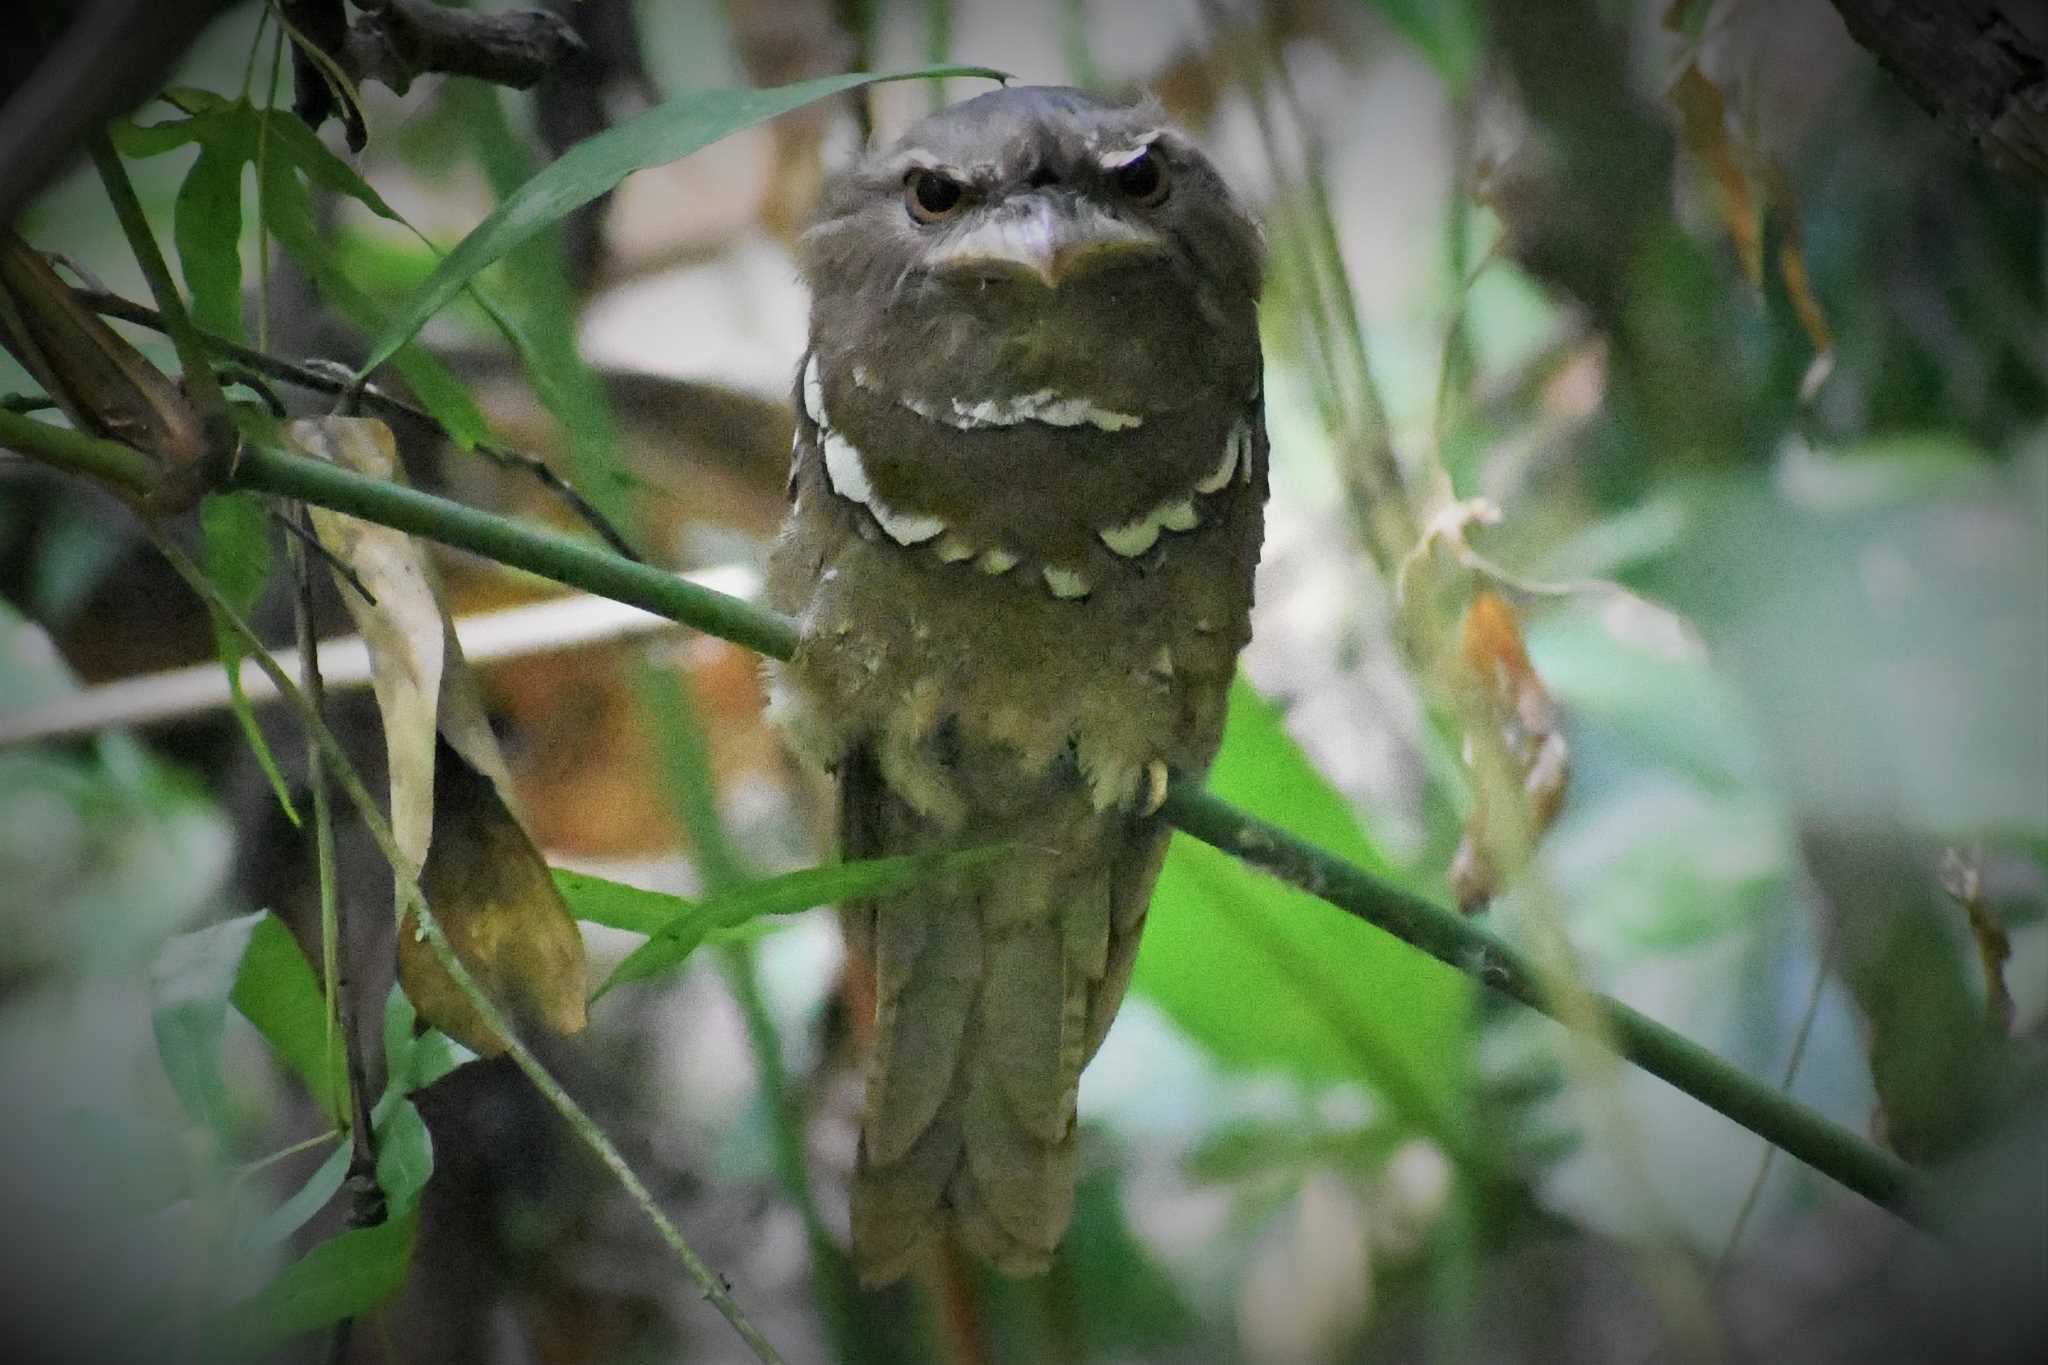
{"points": [[1979, 66]]}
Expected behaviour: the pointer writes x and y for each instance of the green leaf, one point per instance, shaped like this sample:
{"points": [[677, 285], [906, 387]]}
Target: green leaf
{"points": [[618, 906], [1267, 977], [288, 212], [667, 132], [405, 1156], [207, 226], [235, 535], [277, 991], [414, 1062], [281, 1223], [284, 1221], [190, 982], [287, 136], [343, 1277], [434, 1055], [673, 941]]}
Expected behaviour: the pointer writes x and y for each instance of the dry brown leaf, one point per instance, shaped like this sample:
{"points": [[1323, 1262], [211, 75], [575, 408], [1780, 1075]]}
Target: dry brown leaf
{"points": [[1798, 283], [1703, 122], [96, 378], [1962, 876], [1506, 693], [487, 884], [501, 911], [1742, 195]]}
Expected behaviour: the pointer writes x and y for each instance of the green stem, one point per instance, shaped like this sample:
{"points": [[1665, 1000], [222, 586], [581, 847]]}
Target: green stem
{"points": [[200, 384], [1826, 1146], [575, 563], [1453, 939]]}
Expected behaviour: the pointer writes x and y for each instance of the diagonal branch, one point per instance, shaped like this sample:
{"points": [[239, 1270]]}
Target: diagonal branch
{"points": [[1450, 938], [331, 378]]}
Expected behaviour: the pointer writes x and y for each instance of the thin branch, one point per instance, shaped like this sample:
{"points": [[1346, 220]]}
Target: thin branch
{"points": [[713, 1285], [1826, 1146], [318, 377], [367, 1206], [200, 384], [1979, 66], [1801, 1036], [335, 564]]}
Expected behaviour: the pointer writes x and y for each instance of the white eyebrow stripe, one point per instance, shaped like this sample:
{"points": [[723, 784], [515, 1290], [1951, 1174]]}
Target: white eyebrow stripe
{"points": [[1124, 153]]}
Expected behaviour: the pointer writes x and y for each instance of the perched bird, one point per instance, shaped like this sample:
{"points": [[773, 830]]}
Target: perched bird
{"points": [[1027, 497]]}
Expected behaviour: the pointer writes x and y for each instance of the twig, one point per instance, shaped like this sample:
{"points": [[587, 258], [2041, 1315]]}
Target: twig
{"points": [[1754, 1195], [317, 377], [963, 1326], [367, 1208], [339, 567], [193, 359], [1826, 1146], [411, 897]]}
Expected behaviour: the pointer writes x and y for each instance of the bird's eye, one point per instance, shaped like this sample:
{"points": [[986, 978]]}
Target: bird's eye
{"points": [[1142, 178], [930, 196]]}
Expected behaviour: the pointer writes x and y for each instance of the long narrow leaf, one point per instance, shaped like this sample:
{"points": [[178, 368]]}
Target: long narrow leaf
{"points": [[235, 535], [616, 905], [277, 991], [667, 132], [191, 980], [675, 940], [343, 1277]]}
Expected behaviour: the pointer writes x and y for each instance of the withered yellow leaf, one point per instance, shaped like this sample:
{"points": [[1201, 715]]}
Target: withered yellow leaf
{"points": [[1505, 693], [451, 812], [491, 893]]}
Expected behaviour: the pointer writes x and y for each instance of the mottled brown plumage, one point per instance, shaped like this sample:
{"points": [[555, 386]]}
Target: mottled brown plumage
{"points": [[1026, 508]]}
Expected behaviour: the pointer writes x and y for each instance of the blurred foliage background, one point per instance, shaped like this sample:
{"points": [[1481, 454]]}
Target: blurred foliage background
{"points": [[1676, 327]]}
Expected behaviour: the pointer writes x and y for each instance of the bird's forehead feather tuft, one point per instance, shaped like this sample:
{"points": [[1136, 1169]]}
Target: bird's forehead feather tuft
{"points": [[1009, 128]]}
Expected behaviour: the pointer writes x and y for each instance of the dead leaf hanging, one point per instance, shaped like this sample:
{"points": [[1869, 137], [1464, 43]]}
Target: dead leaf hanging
{"points": [[484, 880]]}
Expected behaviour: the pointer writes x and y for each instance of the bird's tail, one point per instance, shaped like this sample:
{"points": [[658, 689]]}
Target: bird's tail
{"points": [[993, 988]]}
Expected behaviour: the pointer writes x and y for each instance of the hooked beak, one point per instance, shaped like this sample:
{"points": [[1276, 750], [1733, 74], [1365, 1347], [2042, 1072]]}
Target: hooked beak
{"points": [[1047, 242]]}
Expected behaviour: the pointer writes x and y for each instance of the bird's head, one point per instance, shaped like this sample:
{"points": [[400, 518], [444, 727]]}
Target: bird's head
{"points": [[1037, 239]]}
